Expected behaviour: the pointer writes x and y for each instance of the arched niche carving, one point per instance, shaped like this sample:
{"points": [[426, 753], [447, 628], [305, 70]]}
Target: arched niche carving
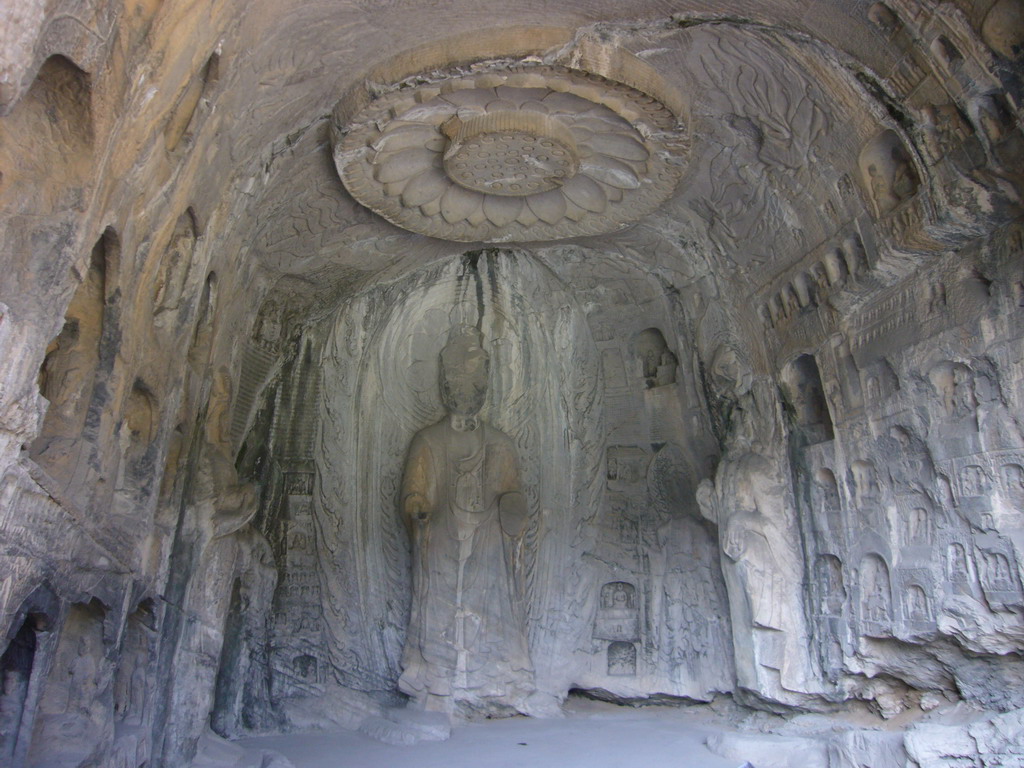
{"points": [[141, 421], [885, 19], [997, 572], [306, 667], [76, 707], [658, 363], [915, 527], [72, 363], [954, 390], [819, 281], [888, 172], [949, 55], [132, 677], [618, 614], [828, 572], [137, 439], [875, 591], [958, 563], [183, 118], [827, 507], [618, 595], [804, 291], [67, 91], [790, 302], [917, 607], [855, 255], [835, 268], [825, 479], [621, 659], [175, 269], [805, 397], [880, 382], [1012, 482], [60, 98], [864, 480]]}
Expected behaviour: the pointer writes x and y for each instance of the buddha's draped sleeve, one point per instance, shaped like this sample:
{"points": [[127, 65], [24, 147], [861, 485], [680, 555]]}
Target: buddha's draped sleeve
{"points": [[419, 483], [512, 507]]}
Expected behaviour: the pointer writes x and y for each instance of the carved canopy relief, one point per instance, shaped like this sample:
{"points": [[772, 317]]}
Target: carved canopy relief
{"points": [[520, 154]]}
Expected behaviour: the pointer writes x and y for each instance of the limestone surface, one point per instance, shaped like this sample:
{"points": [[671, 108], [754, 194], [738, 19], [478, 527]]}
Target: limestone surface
{"points": [[742, 424]]}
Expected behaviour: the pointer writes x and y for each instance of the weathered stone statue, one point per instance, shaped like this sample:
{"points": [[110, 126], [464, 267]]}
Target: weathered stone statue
{"points": [[466, 646], [235, 502], [761, 560]]}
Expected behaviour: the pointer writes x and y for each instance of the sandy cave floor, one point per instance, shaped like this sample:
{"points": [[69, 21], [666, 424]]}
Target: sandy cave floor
{"points": [[593, 734]]}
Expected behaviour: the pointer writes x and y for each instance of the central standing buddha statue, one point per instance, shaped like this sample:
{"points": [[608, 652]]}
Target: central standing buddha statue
{"points": [[461, 501]]}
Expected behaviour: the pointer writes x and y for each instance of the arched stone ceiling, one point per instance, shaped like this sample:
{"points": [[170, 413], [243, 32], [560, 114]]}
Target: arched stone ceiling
{"points": [[778, 117], [836, 234], [780, 99]]}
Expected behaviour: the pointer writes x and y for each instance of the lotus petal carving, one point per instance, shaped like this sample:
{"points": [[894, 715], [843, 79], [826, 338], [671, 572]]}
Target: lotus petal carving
{"points": [[534, 153]]}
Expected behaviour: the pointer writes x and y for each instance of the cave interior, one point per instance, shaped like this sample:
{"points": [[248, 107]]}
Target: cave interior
{"points": [[750, 278]]}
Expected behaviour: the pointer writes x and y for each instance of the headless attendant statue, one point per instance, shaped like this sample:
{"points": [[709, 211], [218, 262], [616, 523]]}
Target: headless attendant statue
{"points": [[466, 648]]}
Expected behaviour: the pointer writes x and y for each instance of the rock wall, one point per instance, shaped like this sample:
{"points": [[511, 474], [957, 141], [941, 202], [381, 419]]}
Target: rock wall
{"points": [[769, 434], [569, 384], [909, 499]]}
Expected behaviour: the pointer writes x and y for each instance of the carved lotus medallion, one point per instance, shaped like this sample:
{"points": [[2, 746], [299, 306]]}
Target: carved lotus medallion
{"points": [[513, 155]]}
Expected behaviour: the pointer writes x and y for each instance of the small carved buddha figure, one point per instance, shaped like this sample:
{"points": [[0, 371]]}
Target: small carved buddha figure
{"points": [[881, 190], [903, 182], [461, 502]]}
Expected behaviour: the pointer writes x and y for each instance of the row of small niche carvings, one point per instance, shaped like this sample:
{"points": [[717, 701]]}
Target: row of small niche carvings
{"points": [[922, 522], [925, 48], [972, 480], [75, 378], [997, 31], [810, 288], [872, 584], [891, 180]]}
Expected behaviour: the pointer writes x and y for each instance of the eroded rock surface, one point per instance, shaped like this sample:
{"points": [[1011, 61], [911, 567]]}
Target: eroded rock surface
{"points": [[750, 286]]}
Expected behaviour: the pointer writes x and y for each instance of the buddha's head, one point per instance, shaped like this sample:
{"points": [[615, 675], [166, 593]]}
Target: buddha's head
{"points": [[465, 372]]}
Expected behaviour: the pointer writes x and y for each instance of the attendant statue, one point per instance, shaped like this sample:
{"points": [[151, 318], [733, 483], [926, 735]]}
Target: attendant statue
{"points": [[235, 501], [461, 502], [750, 502]]}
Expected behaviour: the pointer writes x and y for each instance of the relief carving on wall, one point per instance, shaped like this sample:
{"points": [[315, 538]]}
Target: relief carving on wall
{"points": [[776, 121], [383, 357], [749, 502], [520, 154]]}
